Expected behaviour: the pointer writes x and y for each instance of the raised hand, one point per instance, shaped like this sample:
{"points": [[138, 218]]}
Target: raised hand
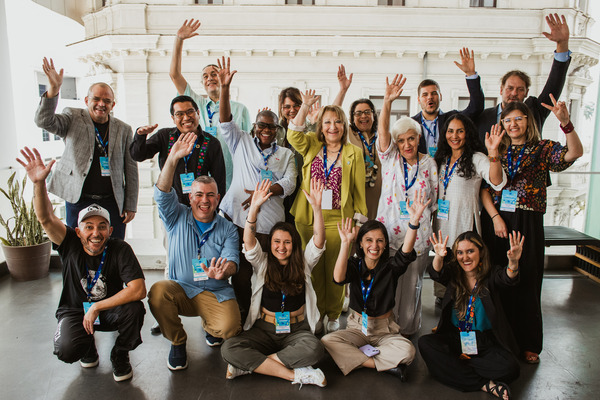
{"points": [[224, 72], [493, 138], [217, 269], [146, 130], [188, 29], [559, 108], [439, 245], [263, 109], [54, 78], [261, 194], [34, 166], [316, 193], [343, 80], [516, 246], [559, 30], [394, 89], [183, 146], [418, 205], [313, 112], [467, 64], [308, 97], [347, 232]]}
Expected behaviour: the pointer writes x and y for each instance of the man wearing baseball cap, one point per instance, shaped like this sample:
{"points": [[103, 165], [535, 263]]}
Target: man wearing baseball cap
{"points": [[103, 283]]}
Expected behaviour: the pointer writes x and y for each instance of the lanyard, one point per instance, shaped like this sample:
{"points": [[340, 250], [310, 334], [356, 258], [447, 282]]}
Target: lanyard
{"points": [[101, 142], [466, 325], [282, 301], [91, 283], [204, 239], [327, 173], [173, 138], [431, 132], [369, 146], [211, 113], [186, 158], [447, 175], [266, 158], [366, 291], [513, 169], [407, 186]]}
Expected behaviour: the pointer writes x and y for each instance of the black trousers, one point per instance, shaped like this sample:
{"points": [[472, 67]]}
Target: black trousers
{"points": [[441, 352], [71, 341], [522, 304]]}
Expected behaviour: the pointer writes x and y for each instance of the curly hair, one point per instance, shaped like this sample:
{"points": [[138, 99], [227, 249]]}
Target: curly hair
{"points": [[286, 278], [466, 169], [374, 113]]}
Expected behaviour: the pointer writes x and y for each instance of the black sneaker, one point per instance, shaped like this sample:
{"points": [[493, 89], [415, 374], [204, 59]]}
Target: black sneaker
{"points": [[121, 366], [399, 372], [177, 357], [90, 358], [213, 341], [155, 330]]}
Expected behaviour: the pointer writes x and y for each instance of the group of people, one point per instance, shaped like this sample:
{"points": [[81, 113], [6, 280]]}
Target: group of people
{"points": [[324, 207]]}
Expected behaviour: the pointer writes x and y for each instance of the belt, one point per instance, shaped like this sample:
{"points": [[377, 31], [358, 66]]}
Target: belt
{"points": [[271, 318]]}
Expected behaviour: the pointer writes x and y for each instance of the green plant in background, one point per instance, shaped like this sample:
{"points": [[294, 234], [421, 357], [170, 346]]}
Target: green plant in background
{"points": [[23, 229]]}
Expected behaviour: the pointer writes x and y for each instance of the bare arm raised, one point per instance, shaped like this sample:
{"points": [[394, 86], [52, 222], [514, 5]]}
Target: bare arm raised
{"points": [[187, 30], [182, 147], [393, 91]]}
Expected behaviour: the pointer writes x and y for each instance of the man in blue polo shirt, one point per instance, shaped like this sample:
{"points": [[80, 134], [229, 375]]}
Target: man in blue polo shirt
{"points": [[203, 254]]}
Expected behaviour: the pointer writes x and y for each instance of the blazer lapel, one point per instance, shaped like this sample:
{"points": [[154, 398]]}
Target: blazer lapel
{"points": [[347, 162]]}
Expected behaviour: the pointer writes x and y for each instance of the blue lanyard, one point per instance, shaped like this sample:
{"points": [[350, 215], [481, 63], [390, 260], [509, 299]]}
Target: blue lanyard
{"points": [[369, 146], [91, 283], [266, 158], [204, 239], [211, 113], [102, 144], [513, 169], [282, 301], [186, 158], [466, 325], [447, 175], [430, 132], [327, 173], [407, 186], [366, 291]]}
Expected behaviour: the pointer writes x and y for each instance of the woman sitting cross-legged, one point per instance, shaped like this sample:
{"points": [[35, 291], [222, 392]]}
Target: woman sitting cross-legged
{"points": [[372, 338], [473, 347], [278, 337]]}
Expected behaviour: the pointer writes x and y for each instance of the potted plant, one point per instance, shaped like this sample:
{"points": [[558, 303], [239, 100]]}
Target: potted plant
{"points": [[25, 247]]}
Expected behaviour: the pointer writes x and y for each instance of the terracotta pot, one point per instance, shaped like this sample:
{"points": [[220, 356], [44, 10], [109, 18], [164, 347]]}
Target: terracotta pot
{"points": [[27, 263]]}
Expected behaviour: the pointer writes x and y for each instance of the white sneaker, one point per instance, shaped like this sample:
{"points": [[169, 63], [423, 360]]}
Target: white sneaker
{"points": [[233, 372], [309, 376], [333, 325]]}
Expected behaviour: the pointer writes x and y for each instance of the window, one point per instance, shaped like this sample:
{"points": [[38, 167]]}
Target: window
{"points": [[390, 2], [302, 2], [56, 137], [463, 102], [45, 135], [400, 107], [482, 3]]}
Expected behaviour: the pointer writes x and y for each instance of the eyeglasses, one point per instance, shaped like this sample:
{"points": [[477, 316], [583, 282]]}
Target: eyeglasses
{"points": [[359, 114], [263, 125], [516, 119], [190, 113], [289, 106]]}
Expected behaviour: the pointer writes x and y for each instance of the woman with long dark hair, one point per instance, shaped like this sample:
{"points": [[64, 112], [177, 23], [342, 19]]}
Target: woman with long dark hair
{"points": [[473, 347], [278, 338]]}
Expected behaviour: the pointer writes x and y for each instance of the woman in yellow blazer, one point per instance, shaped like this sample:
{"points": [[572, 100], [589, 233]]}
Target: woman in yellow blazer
{"points": [[330, 157]]}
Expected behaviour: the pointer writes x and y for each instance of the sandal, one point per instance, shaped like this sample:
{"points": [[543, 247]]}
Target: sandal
{"points": [[531, 357], [498, 390]]}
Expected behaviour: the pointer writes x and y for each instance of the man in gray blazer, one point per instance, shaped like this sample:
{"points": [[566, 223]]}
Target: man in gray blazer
{"points": [[96, 166]]}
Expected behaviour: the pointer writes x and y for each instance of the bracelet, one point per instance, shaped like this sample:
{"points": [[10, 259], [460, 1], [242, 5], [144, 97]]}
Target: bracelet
{"points": [[494, 158], [568, 128], [414, 227], [512, 270], [495, 216], [250, 222]]}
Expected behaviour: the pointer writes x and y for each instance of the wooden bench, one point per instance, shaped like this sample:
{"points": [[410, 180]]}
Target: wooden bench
{"points": [[587, 255]]}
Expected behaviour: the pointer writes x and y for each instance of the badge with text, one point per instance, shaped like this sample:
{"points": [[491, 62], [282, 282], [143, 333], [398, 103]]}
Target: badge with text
{"points": [[365, 323], [404, 215], [432, 150], [186, 182], [327, 200], [443, 209], [104, 166], [212, 130], [199, 272], [468, 342], [282, 322], [86, 307], [266, 174], [509, 201]]}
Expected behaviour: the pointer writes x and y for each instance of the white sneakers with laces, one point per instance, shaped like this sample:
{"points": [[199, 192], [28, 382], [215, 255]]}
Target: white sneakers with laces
{"points": [[309, 376]]}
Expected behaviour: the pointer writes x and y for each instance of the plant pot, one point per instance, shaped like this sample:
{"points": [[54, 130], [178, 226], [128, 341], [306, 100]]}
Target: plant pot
{"points": [[27, 263]]}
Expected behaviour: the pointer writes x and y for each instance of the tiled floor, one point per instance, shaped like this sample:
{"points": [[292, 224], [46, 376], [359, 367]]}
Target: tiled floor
{"points": [[569, 368]]}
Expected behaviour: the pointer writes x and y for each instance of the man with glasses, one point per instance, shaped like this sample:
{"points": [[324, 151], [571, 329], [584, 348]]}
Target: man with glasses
{"points": [[514, 85], [431, 118], [95, 166], [208, 108]]}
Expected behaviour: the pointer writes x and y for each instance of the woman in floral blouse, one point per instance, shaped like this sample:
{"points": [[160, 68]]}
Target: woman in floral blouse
{"points": [[520, 206]]}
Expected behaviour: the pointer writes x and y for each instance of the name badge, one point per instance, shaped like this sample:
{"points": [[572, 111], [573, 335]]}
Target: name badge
{"points": [[186, 182], [468, 342], [104, 167], [365, 323], [509, 201], [432, 150], [266, 174], [327, 200], [404, 215], [443, 209], [212, 130], [199, 272], [282, 322], [368, 161], [86, 307]]}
